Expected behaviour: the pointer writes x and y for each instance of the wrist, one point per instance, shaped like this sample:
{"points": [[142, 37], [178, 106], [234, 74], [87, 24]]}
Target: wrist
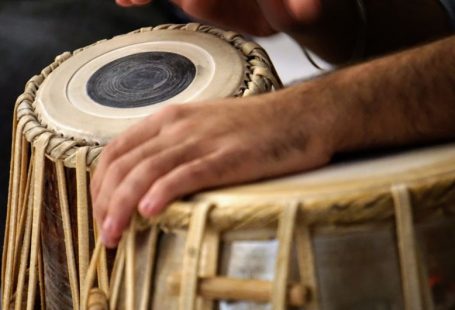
{"points": [[311, 111], [336, 110]]}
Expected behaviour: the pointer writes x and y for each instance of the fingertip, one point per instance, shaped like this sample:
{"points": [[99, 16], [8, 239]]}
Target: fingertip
{"points": [[129, 3], [109, 243], [149, 206], [305, 11], [146, 207], [111, 232], [141, 2], [124, 3]]}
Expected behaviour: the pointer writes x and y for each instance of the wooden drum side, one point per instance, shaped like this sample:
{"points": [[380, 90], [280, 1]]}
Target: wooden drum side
{"points": [[55, 261], [46, 258]]}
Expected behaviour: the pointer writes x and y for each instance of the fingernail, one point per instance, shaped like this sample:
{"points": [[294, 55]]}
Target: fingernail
{"points": [[107, 232], [147, 206], [108, 225], [105, 239]]}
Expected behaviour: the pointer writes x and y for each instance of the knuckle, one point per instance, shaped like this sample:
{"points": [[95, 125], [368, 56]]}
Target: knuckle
{"points": [[164, 187], [115, 172], [99, 214], [113, 149], [183, 129], [99, 209], [150, 164], [129, 192], [200, 169], [171, 112], [122, 197]]}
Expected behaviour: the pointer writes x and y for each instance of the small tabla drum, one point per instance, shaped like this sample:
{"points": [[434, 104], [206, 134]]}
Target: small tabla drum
{"points": [[63, 119], [370, 233]]}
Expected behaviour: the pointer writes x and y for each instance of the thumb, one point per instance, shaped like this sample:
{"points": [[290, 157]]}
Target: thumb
{"points": [[127, 3], [304, 11], [285, 15]]}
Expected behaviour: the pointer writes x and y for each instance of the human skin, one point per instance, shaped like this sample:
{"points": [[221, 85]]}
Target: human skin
{"points": [[402, 99], [327, 27]]}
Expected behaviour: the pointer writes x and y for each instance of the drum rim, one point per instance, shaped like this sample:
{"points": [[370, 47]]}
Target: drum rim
{"points": [[430, 195], [315, 210], [260, 76]]}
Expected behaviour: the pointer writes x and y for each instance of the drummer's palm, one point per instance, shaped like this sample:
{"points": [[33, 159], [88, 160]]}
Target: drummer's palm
{"points": [[262, 17]]}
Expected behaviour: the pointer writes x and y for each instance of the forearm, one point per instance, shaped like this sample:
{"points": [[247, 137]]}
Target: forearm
{"points": [[391, 25], [405, 98]]}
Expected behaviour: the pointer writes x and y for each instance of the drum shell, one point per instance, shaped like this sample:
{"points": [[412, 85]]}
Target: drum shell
{"points": [[357, 266], [37, 250]]}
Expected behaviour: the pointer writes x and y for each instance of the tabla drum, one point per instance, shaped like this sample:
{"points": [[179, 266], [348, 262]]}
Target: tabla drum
{"points": [[371, 233], [63, 119]]}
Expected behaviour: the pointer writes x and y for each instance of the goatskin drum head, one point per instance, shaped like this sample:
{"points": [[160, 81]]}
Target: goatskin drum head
{"points": [[103, 89], [355, 178]]}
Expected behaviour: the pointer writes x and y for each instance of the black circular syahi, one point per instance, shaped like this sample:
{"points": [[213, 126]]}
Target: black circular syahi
{"points": [[141, 79]]}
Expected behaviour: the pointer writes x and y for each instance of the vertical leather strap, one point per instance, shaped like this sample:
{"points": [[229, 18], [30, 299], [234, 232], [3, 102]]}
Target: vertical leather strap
{"points": [[191, 256], [285, 238], [103, 276], [24, 259], [8, 259], [407, 248], [24, 206], [208, 263], [149, 268], [101, 266], [116, 276], [83, 235], [307, 266], [38, 187], [130, 265], [89, 278], [67, 233]]}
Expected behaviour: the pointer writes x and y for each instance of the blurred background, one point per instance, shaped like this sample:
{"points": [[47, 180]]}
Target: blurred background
{"points": [[33, 32]]}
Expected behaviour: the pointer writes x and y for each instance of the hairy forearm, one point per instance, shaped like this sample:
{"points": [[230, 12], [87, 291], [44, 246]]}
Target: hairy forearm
{"points": [[391, 25], [405, 98]]}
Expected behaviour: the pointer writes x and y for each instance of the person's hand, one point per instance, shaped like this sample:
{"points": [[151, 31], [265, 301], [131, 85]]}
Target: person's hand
{"points": [[262, 17], [128, 3], [185, 148], [330, 30]]}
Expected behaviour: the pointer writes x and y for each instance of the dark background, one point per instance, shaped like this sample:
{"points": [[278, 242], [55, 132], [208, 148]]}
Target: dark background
{"points": [[33, 32]]}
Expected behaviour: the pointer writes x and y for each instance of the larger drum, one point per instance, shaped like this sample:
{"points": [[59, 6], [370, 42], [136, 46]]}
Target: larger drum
{"points": [[65, 116], [364, 234]]}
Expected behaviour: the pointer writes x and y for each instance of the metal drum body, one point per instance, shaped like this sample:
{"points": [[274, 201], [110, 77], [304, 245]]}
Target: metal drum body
{"points": [[63, 119]]}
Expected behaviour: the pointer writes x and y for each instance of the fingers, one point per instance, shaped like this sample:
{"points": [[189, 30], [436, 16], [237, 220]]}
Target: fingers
{"points": [[116, 164], [134, 136], [187, 178], [239, 15], [305, 11], [128, 3], [223, 166], [117, 148], [121, 192]]}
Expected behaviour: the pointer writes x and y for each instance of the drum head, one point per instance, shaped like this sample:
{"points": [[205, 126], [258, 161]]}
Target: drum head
{"points": [[105, 88], [365, 181]]}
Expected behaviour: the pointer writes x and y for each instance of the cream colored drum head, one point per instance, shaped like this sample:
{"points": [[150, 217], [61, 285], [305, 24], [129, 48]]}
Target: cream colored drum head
{"points": [[100, 91], [355, 183]]}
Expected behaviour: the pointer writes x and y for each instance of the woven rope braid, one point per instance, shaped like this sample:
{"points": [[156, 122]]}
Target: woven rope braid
{"points": [[431, 195], [260, 77]]}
